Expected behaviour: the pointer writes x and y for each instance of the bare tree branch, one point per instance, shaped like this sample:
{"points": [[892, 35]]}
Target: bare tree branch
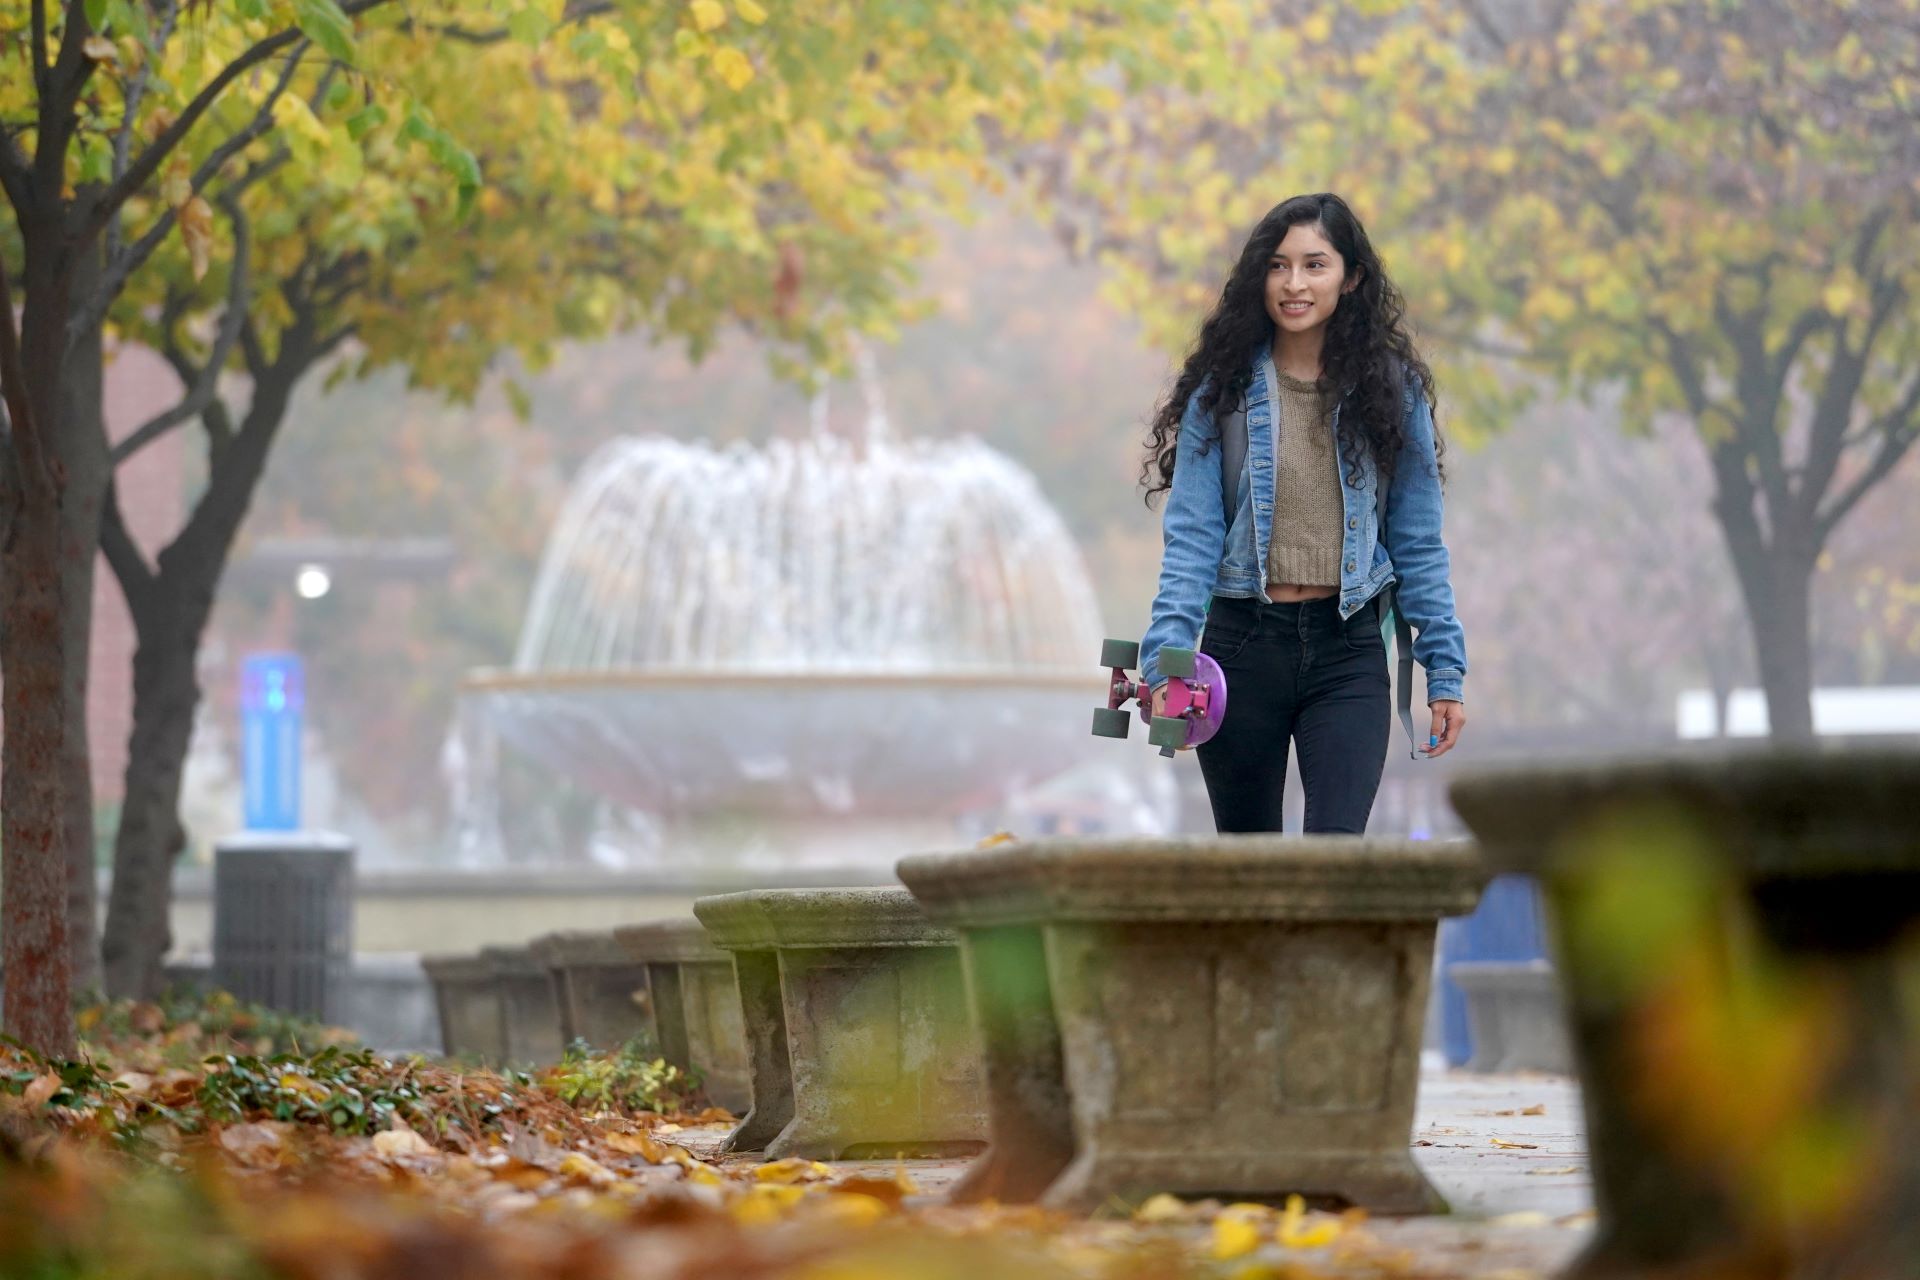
{"points": [[1486, 25], [1833, 409], [1758, 422], [148, 164], [1898, 428], [39, 51], [16, 175], [119, 269], [123, 138], [575, 13], [123, 554], [207, 379]]}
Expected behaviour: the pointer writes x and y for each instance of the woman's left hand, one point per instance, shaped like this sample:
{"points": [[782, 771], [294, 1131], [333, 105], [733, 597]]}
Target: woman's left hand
{"points": [[1449, 718]]}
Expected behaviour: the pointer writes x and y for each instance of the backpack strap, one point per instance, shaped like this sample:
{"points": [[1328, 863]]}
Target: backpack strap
{"points": [[1389, 603], [1233, 455]]}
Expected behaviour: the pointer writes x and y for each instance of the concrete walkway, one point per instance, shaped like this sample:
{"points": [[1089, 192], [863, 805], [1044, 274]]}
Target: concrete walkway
{"points": [[1508, 1153]]}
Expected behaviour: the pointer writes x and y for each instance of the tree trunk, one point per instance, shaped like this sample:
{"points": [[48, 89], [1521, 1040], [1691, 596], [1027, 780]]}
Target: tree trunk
{"points": [[82, 447], [33, 776], [170, 613], [166, 694], [1776, 580], [1783, 645]]}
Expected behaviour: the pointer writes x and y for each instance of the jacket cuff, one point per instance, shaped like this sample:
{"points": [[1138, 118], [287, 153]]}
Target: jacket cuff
{"points": [[1444, 685]]}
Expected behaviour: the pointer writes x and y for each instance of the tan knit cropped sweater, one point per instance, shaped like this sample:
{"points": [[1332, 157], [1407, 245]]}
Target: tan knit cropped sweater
{"points": [[1307, 507]]}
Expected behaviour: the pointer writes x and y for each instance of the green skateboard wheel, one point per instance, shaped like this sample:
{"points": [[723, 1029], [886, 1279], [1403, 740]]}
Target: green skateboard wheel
{"points": [[1124, 654], [1176, 662], [1168, 731], [1110, 723]]}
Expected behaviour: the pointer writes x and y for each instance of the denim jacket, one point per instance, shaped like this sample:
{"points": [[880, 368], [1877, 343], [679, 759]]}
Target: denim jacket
{"points": [[1208, 554]]}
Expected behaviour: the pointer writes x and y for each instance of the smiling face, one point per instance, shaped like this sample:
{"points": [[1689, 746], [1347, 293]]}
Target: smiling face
{"points": [[1305, 277]]}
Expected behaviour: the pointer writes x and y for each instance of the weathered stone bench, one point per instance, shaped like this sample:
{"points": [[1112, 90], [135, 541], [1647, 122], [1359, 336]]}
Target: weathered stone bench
{"points": [[696, 1007], [1237, 1016], [600, 990], [857, 1024], [1737, 905], [529, 1016], [468, 1001], [1515, 1015]]}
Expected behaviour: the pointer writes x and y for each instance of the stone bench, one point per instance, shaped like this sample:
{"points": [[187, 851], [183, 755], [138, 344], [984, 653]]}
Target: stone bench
{"points": [[1514, 1013], [529, 1015], [600, 990], [468, 1001], [857, 1024], [1745, 906], [1234, 1016], [696, 1007]]}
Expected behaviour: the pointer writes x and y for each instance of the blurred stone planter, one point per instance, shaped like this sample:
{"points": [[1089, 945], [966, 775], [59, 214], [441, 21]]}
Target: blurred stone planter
{"points": [[1237, 1016], [600, 990], [696, 1005], [468, 1001], [1514, 1010], [857, 1024], [1737, 941], [529, 1015]]}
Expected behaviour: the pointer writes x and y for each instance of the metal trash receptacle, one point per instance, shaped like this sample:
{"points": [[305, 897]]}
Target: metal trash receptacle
{"points": [[283, 921]]}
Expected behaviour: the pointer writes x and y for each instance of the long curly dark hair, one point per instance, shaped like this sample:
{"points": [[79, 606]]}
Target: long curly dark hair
{"points": [[1367, 354]]}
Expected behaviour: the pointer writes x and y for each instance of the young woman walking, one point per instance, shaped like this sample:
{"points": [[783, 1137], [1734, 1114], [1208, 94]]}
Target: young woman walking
{"points": [[1334, 498]]}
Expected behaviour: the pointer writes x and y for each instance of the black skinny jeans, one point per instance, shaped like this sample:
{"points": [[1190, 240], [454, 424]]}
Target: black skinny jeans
{"points": [[1297, 673]]}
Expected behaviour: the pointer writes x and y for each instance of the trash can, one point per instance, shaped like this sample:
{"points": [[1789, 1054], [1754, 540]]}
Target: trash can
{"points": [[283, 921]]}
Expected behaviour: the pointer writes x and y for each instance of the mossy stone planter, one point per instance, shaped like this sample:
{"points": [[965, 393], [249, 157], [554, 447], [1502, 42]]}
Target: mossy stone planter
{"points": [[696, 1004], [1738, 941], [468, 1000], [1238, 1016], [529, 1015], [1516, 1016], [856, 1022], [601, 991]]}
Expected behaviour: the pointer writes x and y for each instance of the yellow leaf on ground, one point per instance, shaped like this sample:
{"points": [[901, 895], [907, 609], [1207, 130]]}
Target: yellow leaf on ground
{"points": [[1234, 1235], [765, 1203], [708, 15], [584, 1168], [1297, 1232], [643, 1145], [792, 1169], [750, 12], [41, 1088], [1161, 1208], [1514, 1146]]}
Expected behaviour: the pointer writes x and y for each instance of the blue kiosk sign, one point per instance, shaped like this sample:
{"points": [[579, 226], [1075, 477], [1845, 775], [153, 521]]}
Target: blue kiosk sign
{"points": [[273, 693]]}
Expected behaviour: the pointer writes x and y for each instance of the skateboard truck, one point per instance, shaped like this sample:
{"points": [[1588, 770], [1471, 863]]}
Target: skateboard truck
{"points": [[1196, 697]]}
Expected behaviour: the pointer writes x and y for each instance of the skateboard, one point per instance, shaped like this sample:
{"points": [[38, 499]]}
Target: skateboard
{"points": [[1196, 697]]}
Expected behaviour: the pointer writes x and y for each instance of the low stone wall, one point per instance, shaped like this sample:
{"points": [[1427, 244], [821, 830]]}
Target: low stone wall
{"points": [[1237, 1016], [857, 1026], [468, 998], [696, 1005], [529, 1015], [599, 989], [1514, 1012]]}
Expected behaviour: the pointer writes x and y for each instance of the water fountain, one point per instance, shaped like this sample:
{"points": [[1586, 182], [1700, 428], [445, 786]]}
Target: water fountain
{"points": [[827, 650]]}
